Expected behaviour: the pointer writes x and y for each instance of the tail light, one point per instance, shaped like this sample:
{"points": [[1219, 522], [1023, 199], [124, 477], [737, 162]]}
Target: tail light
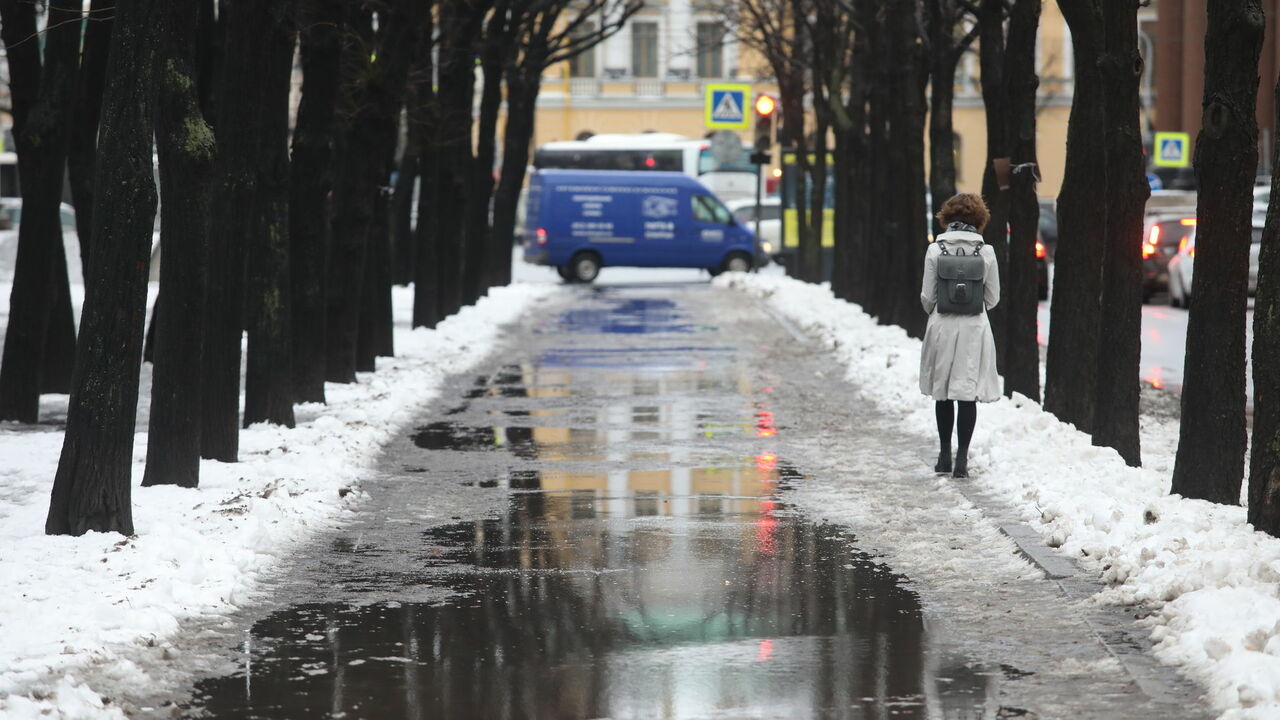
{"points": [[542, 236], [1187, 222], [1153, 241], [1041, 251]]}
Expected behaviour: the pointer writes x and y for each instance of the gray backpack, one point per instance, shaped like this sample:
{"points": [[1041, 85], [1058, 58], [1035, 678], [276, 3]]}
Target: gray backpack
{"points": [[960, 281]]}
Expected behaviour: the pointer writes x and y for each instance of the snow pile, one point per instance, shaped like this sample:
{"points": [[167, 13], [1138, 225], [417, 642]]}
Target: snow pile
{"points": [[69, 601], [1212, 582]]}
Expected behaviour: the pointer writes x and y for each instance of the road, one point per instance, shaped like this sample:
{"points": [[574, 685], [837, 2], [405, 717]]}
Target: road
{"points": [[622, 516], [1164, 342]]}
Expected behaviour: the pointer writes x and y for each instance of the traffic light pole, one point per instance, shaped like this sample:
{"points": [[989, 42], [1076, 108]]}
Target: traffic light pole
{"points": [[759, 159], [755, 262]]}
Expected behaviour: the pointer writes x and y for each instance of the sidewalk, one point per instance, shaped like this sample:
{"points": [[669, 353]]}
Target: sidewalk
{"points": [[201, 552], [1211, 583]]}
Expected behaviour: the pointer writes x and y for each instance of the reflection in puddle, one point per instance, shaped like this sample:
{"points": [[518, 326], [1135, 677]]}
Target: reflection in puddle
{"points": [[644, 569]]}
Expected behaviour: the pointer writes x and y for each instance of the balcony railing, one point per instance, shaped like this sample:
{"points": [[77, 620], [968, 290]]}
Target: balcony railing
{"points": [[584, 87], [649, 87]]}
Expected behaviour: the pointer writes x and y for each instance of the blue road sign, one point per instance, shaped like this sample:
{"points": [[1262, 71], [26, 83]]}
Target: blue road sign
{"points": [[726, 106]]}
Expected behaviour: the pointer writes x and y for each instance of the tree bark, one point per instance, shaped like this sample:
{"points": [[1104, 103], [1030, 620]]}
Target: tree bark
{"points": [[268, 382], [995, 99], [88, 111], [1212, 436], [1115, 418], [376, 338], [1071, 364], [237, 211], [423, 119], [522, 96], [909, 231], [39, 335], [311, 177], [185, 147], [1022, 370], [91, 488], [373, 91], [944, 55], [872, 276], [1264, 457], [402, 212], [483, 246], [455, 171]]}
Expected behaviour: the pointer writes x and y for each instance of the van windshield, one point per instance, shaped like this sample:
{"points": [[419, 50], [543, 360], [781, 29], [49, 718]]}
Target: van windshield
{"points": [[709, 210]]}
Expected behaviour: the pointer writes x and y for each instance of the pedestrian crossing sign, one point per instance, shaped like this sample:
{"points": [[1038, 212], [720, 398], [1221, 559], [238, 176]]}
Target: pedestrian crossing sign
{"points": [[726, 106], [1172, 149]]}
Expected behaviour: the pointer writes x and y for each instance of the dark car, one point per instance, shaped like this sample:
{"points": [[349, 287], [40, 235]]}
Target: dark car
{"points": [[1160, 241], [1046, 245]]}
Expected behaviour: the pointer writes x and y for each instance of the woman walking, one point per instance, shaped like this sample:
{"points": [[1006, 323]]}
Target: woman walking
{"points": [[958, 359]]}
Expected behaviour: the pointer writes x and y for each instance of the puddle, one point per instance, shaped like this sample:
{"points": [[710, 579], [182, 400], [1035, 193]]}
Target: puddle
{"points": [[644, 568], [696, 623]]}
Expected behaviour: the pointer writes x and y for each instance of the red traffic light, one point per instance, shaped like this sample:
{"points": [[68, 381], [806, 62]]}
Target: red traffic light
{"points": [[765, 105]]}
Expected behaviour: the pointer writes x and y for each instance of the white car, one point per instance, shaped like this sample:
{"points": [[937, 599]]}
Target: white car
{"points": [[744, 211], [11, 217], [1182, 267]]}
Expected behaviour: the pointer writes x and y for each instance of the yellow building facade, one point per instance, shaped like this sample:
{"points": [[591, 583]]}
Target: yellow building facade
{"points": [[651, 76]]}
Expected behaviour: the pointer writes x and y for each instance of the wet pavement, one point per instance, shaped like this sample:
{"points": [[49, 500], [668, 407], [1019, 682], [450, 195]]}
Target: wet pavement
{"points": [[616, 543]]}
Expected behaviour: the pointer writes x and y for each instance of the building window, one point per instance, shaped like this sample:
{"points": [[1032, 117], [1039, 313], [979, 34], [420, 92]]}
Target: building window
{"points": [[583, 65], [644, 49], [710, 50]]}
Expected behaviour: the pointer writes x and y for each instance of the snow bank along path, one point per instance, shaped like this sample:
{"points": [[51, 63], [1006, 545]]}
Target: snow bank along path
{"points": [[1212, 582], [67, 602]]}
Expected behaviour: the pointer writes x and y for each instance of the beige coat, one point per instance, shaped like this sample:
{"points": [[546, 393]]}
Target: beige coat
{"points": [[958, 359]]}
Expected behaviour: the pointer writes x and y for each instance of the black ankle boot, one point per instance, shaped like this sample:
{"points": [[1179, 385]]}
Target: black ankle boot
{"points": [[944, 462], [961, 469]]}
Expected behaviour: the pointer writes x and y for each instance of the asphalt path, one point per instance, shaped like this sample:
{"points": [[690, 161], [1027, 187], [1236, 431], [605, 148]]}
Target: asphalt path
{"points": [[622, 515]]}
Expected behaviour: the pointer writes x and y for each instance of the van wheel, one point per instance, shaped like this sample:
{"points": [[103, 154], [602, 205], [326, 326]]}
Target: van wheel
{"points": [[584, 267], [736, 262], [563, 272]]}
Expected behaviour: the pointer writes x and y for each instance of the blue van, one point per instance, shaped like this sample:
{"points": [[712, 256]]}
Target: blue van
{"points": [[582, 220]]}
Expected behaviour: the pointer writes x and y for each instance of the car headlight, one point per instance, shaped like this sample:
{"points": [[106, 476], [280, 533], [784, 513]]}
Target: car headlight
{"points": [[767, 246]]}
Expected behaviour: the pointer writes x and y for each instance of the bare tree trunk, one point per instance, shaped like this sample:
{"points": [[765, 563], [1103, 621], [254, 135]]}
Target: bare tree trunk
{"points": [[1115, 418], [91, 488], [376, 332], [1264, 457], [40, 335], [522, 94], [482, 244], [268, 381], [873, 276], [995, 99], [1022, 370], [423, 119], [455, 189], [373, 89], [88, 110], [1071, 365], [906, 129], [311, 177], [402, 211], [185, 147], [944, 56], [1212, 436], [354, 170], [236, 213]]}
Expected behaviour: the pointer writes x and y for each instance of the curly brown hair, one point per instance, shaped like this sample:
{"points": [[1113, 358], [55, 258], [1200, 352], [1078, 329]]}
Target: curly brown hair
{"points": [[967, 208]]}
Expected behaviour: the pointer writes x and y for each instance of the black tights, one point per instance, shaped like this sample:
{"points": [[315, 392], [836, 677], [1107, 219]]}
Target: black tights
{"points": [[945, 412]]}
